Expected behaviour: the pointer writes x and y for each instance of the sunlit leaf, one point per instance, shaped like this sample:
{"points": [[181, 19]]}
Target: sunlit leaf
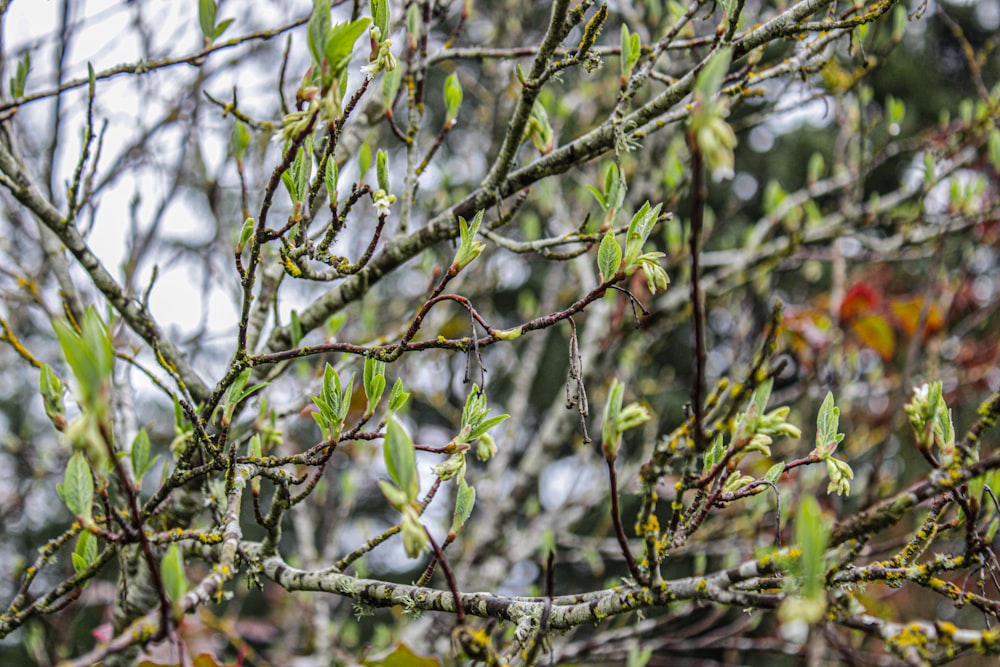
{"points": [[906, 312], [401, 655], [875, 332]]}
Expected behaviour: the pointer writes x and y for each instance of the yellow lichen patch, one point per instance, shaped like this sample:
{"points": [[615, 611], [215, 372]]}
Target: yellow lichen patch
{"points": [[911, 635], [945, 628], [989, 641], [291, 268]]}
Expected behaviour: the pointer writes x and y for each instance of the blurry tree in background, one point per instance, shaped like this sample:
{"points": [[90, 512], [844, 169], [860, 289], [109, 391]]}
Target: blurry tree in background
{"points": [[415, 333]]}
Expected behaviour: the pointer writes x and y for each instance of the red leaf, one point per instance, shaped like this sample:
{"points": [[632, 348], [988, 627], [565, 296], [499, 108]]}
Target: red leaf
{"points": [[860, 299]]}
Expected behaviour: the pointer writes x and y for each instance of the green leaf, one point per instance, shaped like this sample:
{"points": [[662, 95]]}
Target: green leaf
{"points": [[390, 86], [631, 50], [774, 194], [90, 356], [378, 387], [714, 454], [331, 387], [330, 177], [236, 393], [465, 500], [254, 448], [827, 422], [895, 111], [452, 96], [364, 161], [374, 381], [635, 49], [329, 398], [539, 129], [816, 167], [638, 657], [598, 195], [380, 17], [811, 536], [413, 20], [85, 552], [319, 30], [323, 420], [382, 170], [240, 140], [334, 324], [761, 395], [302, 169], [295, 328], [397, 397], [221, 28], [415, 538], [396, 497], [626, 44], [713, 73], [53, 390], [899, 18], [206, 18], [345, 401], [174, 579], [79, 564], [774, 472], [340, 43], [469, 248], [140, 455], [245, 234], [77, 489], [638, 232], [20, 77], [289, 181], [991, 531], [615, 187], [994, 148], [486, 425], [611, 175], [180, 422], [610, 435], [609, 256], [400, 459]]}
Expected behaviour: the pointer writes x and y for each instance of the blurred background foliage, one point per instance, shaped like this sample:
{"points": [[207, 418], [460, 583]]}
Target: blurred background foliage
{"points": [[889, 278]]}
